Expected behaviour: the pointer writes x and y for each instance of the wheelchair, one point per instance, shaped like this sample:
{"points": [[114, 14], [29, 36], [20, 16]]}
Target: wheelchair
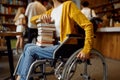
{"points": [[65, 65], [94, 68]]}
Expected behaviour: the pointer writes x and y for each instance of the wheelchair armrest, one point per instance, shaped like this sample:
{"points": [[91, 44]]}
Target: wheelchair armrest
{"points": [[75, 36]]}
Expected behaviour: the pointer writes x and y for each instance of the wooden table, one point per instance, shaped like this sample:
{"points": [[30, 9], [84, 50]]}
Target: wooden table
{"points": [[8, 36]]}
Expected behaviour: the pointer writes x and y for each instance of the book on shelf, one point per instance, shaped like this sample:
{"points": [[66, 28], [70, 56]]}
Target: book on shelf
{"points": [[13, 2]]}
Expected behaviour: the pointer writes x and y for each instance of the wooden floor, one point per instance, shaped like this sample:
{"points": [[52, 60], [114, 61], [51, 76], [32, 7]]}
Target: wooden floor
{"points": [[113, 68]]}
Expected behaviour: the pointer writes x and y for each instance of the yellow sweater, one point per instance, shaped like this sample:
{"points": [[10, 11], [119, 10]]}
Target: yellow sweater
{"points": [[71, 14]]}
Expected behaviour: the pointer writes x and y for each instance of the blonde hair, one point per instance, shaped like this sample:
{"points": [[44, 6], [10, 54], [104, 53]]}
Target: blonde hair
{"points": [[21, 10]]}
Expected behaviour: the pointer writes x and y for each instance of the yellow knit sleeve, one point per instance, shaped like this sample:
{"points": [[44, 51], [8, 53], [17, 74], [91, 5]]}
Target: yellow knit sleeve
{"points": [[84, 23], [34, 18]]}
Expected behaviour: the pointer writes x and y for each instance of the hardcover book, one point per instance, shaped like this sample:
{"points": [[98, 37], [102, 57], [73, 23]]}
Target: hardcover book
{"points": [[45, 24]]}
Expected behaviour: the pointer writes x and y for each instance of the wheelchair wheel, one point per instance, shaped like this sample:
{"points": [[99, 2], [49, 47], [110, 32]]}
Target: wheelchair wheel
{"points": [[93, 69]]}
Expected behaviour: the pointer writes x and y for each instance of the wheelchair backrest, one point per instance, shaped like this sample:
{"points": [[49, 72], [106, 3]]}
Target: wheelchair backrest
{"points": [[66, 50]]}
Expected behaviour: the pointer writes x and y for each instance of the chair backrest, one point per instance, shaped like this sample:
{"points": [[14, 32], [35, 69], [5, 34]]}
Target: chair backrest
{"points": [[66, 50], [80, 30], [95, 21]]}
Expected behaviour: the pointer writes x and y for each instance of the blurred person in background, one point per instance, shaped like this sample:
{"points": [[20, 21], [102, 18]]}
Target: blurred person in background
{"points": [[33, 8], [88, 12], [47, 4], [20, 22]]}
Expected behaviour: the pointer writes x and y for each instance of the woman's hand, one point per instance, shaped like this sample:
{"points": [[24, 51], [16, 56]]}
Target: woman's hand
{"points": [[83, 56], [45, 18]]}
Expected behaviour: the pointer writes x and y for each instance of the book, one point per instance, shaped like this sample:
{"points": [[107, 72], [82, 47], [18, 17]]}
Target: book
{"points": [[45, 24], [45, 42], [45, 34], [45, 38], [39, 44], [46, 28], [45, 31]]}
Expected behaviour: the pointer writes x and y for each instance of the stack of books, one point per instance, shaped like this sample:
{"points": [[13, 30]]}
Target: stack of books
{"points": [[45, 34]]}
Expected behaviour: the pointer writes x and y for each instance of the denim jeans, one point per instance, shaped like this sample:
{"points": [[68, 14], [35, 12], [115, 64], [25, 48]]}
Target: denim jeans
{"points": [[31, 53]]}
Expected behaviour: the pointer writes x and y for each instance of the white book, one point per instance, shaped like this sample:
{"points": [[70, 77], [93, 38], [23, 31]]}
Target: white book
{"points": [[45, 31], [47, 28], [43, 44], [45, 38], [45, 34], [45, 24]]}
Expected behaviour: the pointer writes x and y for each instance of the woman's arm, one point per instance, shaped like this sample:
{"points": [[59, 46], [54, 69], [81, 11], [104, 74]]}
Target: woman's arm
{"points": [[84, 23], [34, 18]]}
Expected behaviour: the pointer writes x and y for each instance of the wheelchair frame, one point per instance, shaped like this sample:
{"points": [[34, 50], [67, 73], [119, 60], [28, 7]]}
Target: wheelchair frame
{"points": [[63, 68]]}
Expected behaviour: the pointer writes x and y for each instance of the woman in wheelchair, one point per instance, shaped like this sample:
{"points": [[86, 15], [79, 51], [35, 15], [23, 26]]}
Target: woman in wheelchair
{"points": [[65, 14]]}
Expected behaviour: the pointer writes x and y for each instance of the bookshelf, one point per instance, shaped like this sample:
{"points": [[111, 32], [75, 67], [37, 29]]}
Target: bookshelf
{"points": [[111, 34], [110, 8], [8, 9]]}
